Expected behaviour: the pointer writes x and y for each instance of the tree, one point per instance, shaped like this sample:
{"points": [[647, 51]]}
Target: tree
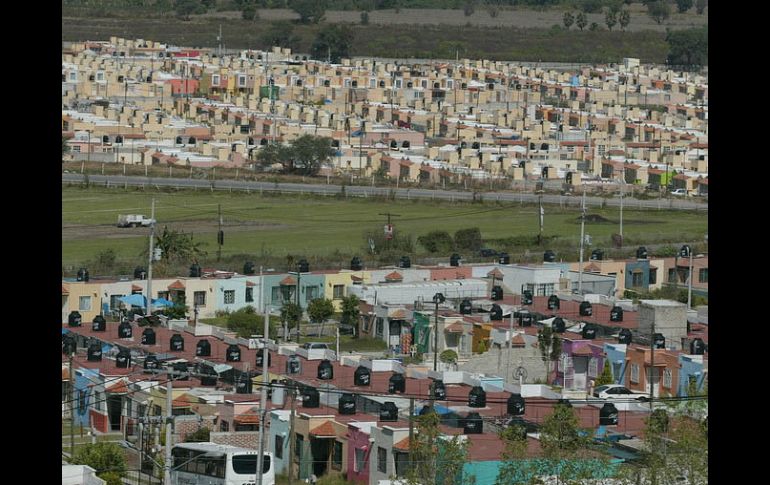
{"points": [[469, 7], [688, 47], [310, 11], [610, 18], [581, 21], [333, 42], [247, 322], [184, 8], [569, 19], [104, 457], [493, 8], [700, 6], [249, 12], [176, 311], [468, 239], [606, 376], [550, 347], [437, 242], [350, 312], [280, 34], [436, 459], [624, 19], [290, 314], [448, 356], [201, 435], [563, 442], [319, 310], [274, 154], [309, 152], [659, 11], [513, 469], [684, 5], [177, 246], [65, 148], [591, 6], [594, 27]]}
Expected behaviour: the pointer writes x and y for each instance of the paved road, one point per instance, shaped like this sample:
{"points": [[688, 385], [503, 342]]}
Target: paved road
{"points": [[366, 191]]}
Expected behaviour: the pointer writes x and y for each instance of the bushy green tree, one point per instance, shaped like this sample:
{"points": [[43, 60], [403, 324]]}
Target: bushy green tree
{"points": [[185, 8], [684, 5], [624, 18], [468, 239], [333, 42], [549, 344], [177, 246], [448, 356], [659, 11], [591, 6], [290, 314], [320, 309], [280, 34], [437, 242], [700, 6], [606, 376], [581, 20], [610, 19], [350, 312], [436, 459], [310, 11], [689, 47], [308, 153], [568, 19], [513, 469], [104, 457]]}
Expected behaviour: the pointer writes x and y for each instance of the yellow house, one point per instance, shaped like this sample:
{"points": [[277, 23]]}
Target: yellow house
{"points": [[84, 297], [607, 268], [336, 285]]}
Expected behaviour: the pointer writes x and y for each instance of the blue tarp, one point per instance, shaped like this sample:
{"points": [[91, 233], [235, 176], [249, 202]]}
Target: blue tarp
{"points": [[441, 410], [64, 330], [140, 301], [162, 302]]}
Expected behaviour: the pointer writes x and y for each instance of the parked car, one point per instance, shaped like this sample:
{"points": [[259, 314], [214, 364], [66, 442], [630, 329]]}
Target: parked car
{"points": [[616, 391], [314, 345], [487, 252], [679, 192]]}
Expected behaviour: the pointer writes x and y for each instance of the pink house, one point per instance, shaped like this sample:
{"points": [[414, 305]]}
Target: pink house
{"points": [[359, 449]]}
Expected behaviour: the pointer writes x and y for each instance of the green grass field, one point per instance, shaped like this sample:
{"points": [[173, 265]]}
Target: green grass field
{"points": [[327, 227]]}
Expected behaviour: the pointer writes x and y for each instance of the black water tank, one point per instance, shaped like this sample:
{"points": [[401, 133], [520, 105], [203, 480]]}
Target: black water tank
{"points": [[496, 313], [311, 398], [293, 365], [586, 309], [203, 348], [397, 383], [466, 307], [248, 267], [697, 347], [473, 424], [325, 370], [244, 384], [176, 343], [304, 266], [641, 252], [69, 344], [94, 353], [553, 302], [347, 404], [589, 331], [684, 252], [260, 362], [454, 260], [549, 256], [439, 389], [125, 330], [526, 297], [597, 255], [208, 377], [564, 402], [82, 275], [525, 319], [660, 340], [355, 264], [477, 397], [151, 363], [140, 273], [388, 411], [362, 376], [504, 258], [148, 336], [181, 371], [74, 319], [405, 262], [497, 292], [233, 353], [99, 324], [608, 415], [515, 405], [558, 325], [616, 314], [123, 359], [195, 270], [624, 337]]}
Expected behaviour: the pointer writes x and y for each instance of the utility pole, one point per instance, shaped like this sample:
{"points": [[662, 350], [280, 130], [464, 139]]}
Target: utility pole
{"points": [[299, 320], [220, 234], [510, 349], [291, 434], [411, 426], [541, 212], [622, 183], [389, 236], [149, 266], [72, 409], [582, 240], [689, 284], [263, 395], [169, 431], [652, 361]]}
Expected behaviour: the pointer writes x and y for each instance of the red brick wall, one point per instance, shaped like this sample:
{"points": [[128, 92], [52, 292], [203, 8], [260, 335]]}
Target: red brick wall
{"points": [[187, 426], [244, 439], [99, 421]]}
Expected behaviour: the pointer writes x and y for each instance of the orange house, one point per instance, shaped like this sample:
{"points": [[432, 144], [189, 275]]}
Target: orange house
{"points": [[665, 377]]}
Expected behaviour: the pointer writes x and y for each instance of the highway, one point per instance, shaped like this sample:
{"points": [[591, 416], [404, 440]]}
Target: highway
{"points": [[368, 191]]}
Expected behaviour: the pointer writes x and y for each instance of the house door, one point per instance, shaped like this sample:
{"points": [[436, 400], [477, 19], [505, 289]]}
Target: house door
{"points": [[654, 380], [394, 337], [581, 368], [319, 450], [114, 409]]}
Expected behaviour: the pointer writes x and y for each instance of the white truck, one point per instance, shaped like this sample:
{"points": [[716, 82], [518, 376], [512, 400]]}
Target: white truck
{"points": [[134, 220]]}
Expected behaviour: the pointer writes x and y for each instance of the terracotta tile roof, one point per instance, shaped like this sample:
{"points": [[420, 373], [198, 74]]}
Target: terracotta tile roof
{"points": [[402, 445], [288, 281], [249, 283], [454, 328], [181, 402], [136, 288], [64, 290], [176, 285], [118, 388], [249, 417], [394, 276], [496, 273], [323, 431]]}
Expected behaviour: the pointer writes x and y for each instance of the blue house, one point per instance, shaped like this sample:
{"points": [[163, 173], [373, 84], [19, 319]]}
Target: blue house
{"points": [[616, 356], [84, 380], [638, 275], [693, 370], [281, 288], [278, 442]]}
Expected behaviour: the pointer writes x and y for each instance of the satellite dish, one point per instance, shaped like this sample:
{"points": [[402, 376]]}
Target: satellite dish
{"points": [[520, 373]]}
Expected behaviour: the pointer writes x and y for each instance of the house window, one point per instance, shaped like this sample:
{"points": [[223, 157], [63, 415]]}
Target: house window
{"points": [[279, 447], [382, 460], [593, 367], [76, 148], [311, 293], [359, 464], [637, 278], [635, 373], [380, 325], [545, 289], [672, 275], [215, 80], [450, 84], [372, 82], [402, 463], [241, 80], [229, 297], [85, 304], [249, 295], [199, 298], [245, 427], [667, 378], [224, 426], [703, 275], [337, 456], [653, 275], [275, 295], [73, 76], [163, 294], [347, 83], [339, 292], [298, 440], [398, 83]]}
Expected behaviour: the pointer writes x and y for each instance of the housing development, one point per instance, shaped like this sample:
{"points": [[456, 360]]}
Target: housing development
{"points": [[566, 364]]}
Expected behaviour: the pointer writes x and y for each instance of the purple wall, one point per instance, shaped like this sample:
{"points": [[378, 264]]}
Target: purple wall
{"points": [[358, 440]]}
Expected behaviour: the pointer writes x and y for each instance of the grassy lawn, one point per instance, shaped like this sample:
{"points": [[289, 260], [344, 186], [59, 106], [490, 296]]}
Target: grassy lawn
{"points": [[316, 226]]}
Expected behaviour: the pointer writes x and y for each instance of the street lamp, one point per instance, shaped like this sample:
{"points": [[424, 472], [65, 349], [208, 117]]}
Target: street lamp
{"points": [[437, 298]]}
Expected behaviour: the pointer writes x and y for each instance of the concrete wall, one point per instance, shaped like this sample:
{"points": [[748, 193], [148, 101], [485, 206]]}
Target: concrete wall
{"points": [[503, 362], [668, 318]]}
